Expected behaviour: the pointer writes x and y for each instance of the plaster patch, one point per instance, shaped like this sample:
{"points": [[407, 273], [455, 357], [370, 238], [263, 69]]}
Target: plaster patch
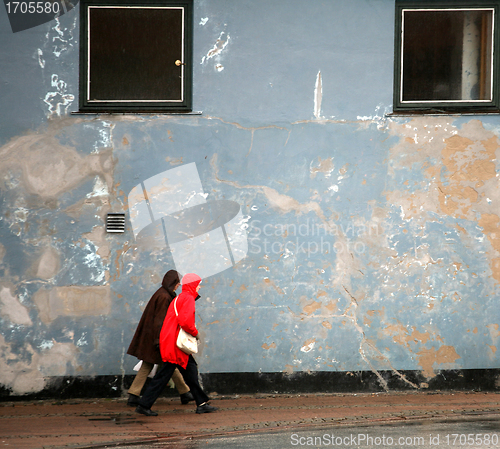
{"points": [[98, 237], [324, 166], [269, 283], [401, 336], [347, 265], [24, 377], [494, 332], [490, 225], [49, 168], [460, 166], [286, 204], [428, 358], [72, 301], [310, 308], [49, 264], [54, 361], [12, 308], [332, 306]]}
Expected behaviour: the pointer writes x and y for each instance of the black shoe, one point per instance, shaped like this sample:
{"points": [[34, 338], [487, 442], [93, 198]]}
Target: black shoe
{"points": [[205, 408], [133, 400], [145, 411], [186, 397]]}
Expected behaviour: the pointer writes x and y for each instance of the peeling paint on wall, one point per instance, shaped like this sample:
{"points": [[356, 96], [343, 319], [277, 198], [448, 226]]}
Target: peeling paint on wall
{"points": [[215, 52], [373, 239]]}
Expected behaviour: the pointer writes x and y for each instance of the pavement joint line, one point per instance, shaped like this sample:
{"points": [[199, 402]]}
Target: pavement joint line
{"points": [[269, 407]]}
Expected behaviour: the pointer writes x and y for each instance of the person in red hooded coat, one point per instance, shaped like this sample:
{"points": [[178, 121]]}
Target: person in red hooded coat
{"points": [[181, 313]]}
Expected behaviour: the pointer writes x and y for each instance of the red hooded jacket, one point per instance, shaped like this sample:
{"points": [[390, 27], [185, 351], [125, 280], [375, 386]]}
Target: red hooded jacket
{"points": [[186, 319]]}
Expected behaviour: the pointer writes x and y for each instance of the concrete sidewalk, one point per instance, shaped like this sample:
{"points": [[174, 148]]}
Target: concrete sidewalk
{"points": [[109, 422]]}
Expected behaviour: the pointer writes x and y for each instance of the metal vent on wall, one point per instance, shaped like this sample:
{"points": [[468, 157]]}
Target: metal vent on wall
{"points": [[115, 223]]}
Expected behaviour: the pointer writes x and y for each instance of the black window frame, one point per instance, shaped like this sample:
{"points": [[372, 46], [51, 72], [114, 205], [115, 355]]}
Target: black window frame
{"points": [[446, 107], [181, 105]]}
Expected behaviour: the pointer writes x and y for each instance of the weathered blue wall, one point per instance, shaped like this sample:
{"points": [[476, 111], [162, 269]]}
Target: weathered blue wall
{"points": [[373, 241]]}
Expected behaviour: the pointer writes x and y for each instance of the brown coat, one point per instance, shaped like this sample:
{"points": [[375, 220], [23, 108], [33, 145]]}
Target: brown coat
{"points": [[144, 344]]}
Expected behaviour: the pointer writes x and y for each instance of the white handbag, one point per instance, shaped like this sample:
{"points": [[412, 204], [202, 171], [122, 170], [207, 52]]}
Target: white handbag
{"points": [[185, 342], [153, 371]]}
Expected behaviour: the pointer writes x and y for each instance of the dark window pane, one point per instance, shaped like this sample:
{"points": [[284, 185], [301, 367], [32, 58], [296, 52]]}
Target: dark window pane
{"points": [[133, 53], [447, 55]]}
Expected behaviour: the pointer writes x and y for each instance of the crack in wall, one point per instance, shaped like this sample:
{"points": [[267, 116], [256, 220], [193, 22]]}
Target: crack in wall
{"points": [[251, 129], [364, 340]]}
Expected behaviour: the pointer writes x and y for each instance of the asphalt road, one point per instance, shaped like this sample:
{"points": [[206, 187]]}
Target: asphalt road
{"points": [[478, 433]]}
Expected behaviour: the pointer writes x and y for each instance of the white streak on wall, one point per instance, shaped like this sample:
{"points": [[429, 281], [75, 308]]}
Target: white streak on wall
{"points": [[46, 344], [100, 188], [106, 137], [63, 39], [59, 40], [41, 61], [94, 261], [218, 47], [82, 340], [379, 116], [318, 96], [203, 21], [58, 99], [307, 348]]}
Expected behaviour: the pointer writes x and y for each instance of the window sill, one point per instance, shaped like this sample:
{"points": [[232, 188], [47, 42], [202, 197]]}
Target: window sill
{"points": [[136, 113], [438, 113]]}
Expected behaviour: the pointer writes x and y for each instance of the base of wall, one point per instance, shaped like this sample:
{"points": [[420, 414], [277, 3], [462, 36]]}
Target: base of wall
{"points": [[350, 382], [274, 383]]}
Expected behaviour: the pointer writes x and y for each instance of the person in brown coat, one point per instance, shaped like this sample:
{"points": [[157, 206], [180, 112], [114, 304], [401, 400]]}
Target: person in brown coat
{"points": [[146, 340]]}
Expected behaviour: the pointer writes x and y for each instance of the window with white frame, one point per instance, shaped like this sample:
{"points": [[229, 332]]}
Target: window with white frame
{"points": [[136, 55], [446, 57]]}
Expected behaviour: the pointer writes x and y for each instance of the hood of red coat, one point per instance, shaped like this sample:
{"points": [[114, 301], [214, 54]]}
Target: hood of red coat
{"points": [[189, 283]]}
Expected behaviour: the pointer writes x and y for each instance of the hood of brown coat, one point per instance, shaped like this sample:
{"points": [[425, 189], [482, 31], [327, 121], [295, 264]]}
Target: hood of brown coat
{"points": [[170, 280]]}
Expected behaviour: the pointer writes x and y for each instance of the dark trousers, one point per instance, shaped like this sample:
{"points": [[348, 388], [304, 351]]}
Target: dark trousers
{"points": [[160, 381]]}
